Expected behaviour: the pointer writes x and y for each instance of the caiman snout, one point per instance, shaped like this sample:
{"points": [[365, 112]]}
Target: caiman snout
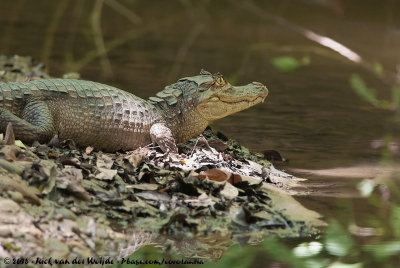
{"points": [[262, 89]]}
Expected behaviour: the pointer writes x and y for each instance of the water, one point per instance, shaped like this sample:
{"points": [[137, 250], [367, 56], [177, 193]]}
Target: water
{"points": [[312, 116]]}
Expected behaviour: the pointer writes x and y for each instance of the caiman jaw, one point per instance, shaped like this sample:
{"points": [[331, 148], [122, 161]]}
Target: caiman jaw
{"points": [[229, 100]]}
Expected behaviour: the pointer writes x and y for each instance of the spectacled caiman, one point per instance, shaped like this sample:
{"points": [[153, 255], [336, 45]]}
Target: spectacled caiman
{"points": [[111, 119]]}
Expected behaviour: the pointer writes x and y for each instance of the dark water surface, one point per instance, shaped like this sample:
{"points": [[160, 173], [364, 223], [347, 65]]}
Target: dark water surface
{"points": [[312, 115]]}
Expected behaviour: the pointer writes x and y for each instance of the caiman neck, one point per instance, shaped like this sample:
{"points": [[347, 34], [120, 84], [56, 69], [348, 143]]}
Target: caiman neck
{"points": [[183, 120]]}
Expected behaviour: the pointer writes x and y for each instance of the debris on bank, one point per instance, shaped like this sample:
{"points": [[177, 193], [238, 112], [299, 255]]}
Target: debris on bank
{"points": [[60, 200]]}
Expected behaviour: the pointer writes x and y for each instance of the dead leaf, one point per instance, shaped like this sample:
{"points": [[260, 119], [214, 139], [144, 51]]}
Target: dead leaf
{"points": [[70, 179], [54, 142], [219, 145], [10, 137], [153, 195], [11, 167], [251, 180], [89, 150], [215, 174], [244, 217], [144, 186], [12, 184], [9, 152], [106, 174], [104, 161], [137, 157], [220, 175], [202, 200], [48, 170], [70, 161], [52, 155], [229, 191]]}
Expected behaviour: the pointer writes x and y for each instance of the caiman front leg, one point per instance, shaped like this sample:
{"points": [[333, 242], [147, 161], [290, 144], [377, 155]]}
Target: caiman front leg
{"points": [[160, 134], [36, 124]]}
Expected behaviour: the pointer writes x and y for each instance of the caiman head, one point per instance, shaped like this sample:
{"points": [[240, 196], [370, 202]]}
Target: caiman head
{"points": [[192, 103]]}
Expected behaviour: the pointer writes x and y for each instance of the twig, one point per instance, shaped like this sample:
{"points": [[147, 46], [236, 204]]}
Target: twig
{"points": [[124, 11], [51, 29], [195, 144], [151, 147], [313, 36], [115, 43], [206, 143], [183, 50], [390, 78], [98, 38]]}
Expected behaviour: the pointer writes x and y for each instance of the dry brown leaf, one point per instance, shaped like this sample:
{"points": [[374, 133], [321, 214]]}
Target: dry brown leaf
{"points": [[10, 152], [215, 174], [251, 180], [52, 155], [154, 195], [70, 179], [10, 137], [11, 167], [219, 145], [11, 183], [104, 161], [89, 150], [144, 186], [106, 174], [220, 175], [229, 191], [136, 158]]}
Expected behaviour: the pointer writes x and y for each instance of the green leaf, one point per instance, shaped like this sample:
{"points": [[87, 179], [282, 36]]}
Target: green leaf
{"points": [[385, 104], [366, 187], [308, 249], [286, 64], [395, 220], [345, 265], [368, 94], [279, 252], [384, 250], [378, 68], [316, 263], [338, 242], [235, 257], [396, 96], [20, 144]]}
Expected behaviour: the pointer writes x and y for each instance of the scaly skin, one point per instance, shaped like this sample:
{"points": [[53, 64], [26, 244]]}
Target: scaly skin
{"points": [[110, 119]]}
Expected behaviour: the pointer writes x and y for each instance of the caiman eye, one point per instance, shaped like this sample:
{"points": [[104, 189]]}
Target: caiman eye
{"points": [[220, 81]]}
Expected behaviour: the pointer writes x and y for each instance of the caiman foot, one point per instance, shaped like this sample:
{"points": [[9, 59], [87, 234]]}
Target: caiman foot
{"points": [[160, 134], [35, 124]]}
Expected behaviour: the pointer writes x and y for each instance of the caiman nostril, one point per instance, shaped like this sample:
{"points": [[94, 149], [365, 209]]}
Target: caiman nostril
{"points": [[258, 84]]}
